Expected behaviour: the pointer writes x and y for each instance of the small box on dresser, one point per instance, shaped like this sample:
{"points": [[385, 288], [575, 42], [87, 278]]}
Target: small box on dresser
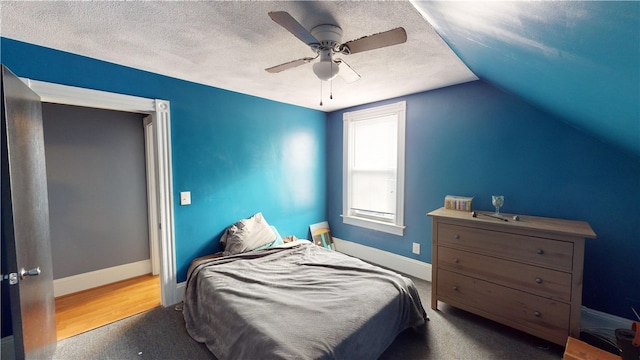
{"points": [[526, 274]]}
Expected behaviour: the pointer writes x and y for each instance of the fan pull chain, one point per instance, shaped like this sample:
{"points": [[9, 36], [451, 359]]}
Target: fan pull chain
{"points": [[331, 83], [331, 89], [320, 92]]}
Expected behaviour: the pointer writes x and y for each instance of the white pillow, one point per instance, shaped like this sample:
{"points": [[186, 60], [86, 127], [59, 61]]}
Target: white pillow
{"points": [[246, 235]]}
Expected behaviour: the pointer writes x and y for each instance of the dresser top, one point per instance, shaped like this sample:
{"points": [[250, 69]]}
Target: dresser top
{"points": [[559, 226]]}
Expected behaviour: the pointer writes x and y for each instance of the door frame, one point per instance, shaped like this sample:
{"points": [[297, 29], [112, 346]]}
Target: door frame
{"points": [[159, 135], [152, 201]]}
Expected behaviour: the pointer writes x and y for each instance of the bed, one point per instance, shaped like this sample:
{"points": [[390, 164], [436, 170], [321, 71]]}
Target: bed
{"points": [[296, 300]]}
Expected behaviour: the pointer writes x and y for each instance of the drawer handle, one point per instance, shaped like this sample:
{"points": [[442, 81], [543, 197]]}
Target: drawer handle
{"points": [[456, 236], [537, 313], [455, 288], [540, 251], [455, 261], [538, 281]]}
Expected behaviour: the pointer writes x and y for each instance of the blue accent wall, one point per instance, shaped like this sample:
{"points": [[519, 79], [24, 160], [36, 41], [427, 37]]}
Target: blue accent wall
{"points": [[237, 154], [476, 140], [579, 60]]}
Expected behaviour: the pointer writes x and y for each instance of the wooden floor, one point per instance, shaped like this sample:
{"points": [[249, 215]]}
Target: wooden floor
{"points": [[90, 309]]}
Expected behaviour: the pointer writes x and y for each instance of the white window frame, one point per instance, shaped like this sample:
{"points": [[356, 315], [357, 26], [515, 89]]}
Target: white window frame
{"points": [[399, 109]]}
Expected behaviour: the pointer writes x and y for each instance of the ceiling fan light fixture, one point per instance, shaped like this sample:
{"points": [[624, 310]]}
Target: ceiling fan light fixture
{"points": [[326, 70]]}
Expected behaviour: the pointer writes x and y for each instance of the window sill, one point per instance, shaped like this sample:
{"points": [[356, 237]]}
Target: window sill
{"points": [[374, 225]]}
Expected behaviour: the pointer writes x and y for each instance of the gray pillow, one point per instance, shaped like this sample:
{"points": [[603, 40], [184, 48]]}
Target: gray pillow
{"points": [[246, 235]]}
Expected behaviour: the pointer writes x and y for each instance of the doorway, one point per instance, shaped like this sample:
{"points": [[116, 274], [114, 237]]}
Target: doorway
{"points": [[158, 134], [98, 211], [97, 187]]}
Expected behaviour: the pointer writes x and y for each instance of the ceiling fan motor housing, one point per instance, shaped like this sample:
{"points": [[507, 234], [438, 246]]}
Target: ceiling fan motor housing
{"points": [[329, 36]]}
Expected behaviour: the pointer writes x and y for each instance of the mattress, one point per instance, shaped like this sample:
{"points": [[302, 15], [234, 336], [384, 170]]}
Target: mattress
{"points": [[297, 301]]}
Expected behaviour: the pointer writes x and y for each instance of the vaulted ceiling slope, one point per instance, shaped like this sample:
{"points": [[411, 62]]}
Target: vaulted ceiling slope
{"points": [[578, 60]]}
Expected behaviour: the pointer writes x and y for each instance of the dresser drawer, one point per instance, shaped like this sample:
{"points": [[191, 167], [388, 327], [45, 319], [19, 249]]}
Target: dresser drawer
{"points": [[550, 253], [537, 280], [539, 316]]}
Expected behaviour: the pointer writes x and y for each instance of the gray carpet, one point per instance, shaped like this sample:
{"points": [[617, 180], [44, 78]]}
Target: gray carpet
{"points": [[450, 334]]}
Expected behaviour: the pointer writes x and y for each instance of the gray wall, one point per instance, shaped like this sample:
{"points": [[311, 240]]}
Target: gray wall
{"points": [[97, 188]]}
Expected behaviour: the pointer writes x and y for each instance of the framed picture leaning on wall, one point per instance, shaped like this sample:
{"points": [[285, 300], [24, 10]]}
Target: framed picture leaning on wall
{"points": [[321, 235]]}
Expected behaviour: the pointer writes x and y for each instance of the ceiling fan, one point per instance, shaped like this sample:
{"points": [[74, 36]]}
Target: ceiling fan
{"points": [[326, 41]]}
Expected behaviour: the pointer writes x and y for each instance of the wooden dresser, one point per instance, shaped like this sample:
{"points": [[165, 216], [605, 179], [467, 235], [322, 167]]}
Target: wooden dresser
{"points": [[526, 274]]}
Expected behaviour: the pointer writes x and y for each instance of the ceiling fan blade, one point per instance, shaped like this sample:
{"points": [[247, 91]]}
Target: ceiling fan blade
{"points": [[289, 65], [293, 26], [346, 72], [375, 41]]}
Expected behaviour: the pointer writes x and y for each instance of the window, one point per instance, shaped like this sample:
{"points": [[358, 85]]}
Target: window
{"points": [[373, 168]]}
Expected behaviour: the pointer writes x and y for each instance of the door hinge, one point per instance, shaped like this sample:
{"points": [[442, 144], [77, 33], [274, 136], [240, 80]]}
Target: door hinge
{"points": [[12, 277]]}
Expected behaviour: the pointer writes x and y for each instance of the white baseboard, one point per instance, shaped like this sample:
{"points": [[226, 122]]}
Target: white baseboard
{"points": [[75, 283], [594, 319], [180, 291], [402, 264]]}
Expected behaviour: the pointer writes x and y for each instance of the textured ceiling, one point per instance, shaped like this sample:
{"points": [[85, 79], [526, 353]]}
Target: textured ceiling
{"points": [[229, 44]]}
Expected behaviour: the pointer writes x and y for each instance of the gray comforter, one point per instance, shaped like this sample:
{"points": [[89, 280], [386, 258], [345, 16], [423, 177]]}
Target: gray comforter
{"points": [[297, 301]]}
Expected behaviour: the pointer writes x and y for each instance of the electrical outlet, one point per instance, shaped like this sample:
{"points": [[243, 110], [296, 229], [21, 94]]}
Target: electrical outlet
{"points": [[416, 248]]}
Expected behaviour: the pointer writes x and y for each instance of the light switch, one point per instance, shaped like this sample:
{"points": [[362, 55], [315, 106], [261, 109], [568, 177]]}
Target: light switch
{"points": [[185, 198]]}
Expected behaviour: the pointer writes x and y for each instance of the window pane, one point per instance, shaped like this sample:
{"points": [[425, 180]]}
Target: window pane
{"points": [[375, 143], [374, 191]]}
